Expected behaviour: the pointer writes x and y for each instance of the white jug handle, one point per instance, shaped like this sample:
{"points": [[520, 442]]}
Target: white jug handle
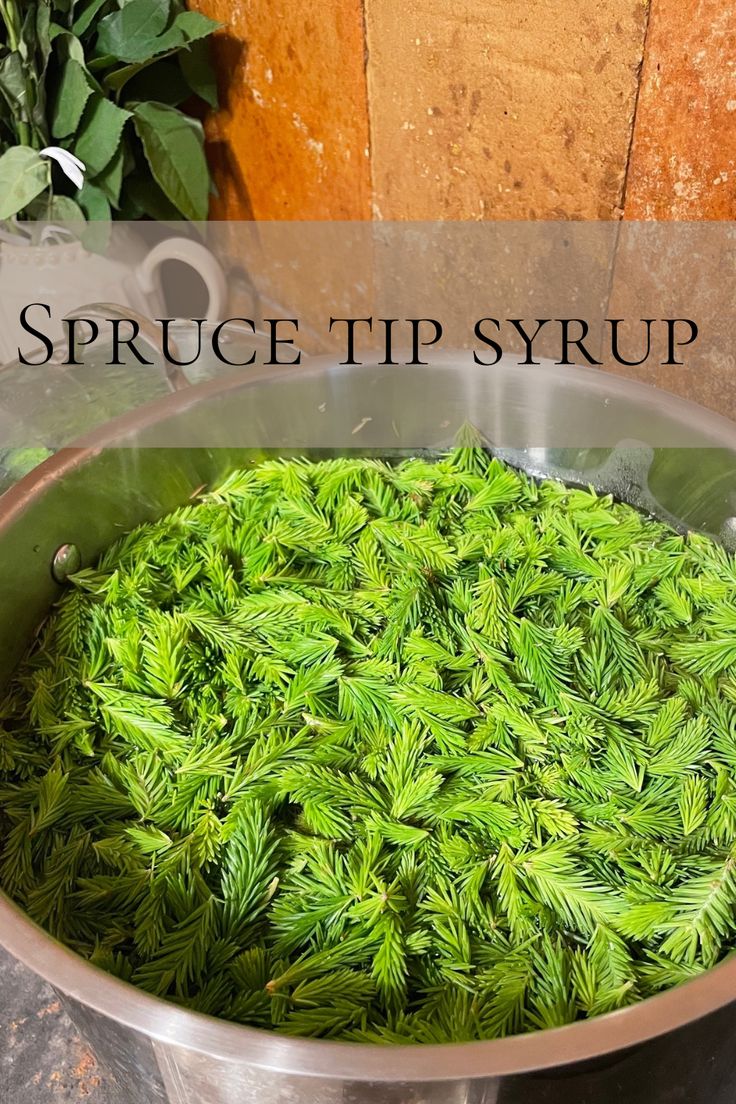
{"points": [[200, 259]]}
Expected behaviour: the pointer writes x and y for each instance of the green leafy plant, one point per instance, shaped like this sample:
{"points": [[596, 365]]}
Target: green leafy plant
{"points": [[93, 119], [409, 752]]}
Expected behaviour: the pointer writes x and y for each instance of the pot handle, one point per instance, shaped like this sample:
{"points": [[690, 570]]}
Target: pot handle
{"points": [[198, 257]]}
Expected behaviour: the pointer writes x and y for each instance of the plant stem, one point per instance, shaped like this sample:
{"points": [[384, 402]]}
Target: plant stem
{"points": [[10, 15]]}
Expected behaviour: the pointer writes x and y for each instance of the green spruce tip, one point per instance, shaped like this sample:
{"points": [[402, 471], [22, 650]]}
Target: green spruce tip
{"points": [[413, 752]]}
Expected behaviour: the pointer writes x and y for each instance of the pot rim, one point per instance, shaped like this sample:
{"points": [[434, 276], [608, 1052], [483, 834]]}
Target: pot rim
{"points": [[605, 385], [224, 1040]]}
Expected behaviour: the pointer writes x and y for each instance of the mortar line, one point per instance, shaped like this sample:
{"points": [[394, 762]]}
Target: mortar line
{"points": [[369, 114], [627, 168], [635, 114]]}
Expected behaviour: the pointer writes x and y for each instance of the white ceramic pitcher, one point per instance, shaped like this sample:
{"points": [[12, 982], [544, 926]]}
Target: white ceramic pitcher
{"points": [[65, 276]]}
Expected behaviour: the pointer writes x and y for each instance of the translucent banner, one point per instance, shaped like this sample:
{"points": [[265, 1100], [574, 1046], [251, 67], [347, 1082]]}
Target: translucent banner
{"points": [[368, 335]]}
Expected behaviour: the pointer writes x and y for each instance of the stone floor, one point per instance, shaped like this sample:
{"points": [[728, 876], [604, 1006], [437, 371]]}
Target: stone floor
{"points": [[42, 1059]]}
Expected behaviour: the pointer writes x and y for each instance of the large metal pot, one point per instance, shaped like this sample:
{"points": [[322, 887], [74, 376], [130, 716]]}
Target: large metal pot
{"points": [[677, 459]]}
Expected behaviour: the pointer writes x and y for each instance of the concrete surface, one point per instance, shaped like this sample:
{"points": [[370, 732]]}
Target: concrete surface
{"points": [[683, 157], [291, 140], [510, 109], [42, 1058], [347, 109]]}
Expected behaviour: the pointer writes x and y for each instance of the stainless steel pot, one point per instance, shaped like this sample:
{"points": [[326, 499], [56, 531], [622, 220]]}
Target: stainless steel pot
{"points": [[676, 459]]}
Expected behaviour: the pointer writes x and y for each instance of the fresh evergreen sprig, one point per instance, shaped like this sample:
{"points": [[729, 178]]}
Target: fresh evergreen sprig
{"points": [[408, 752]]}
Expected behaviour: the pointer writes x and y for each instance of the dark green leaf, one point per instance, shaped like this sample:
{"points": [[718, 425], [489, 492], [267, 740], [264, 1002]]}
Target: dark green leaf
{"points": [[42, 35], [72, 95], [56, 209], [98, 137], [13, 84], [148, 197], [174, 148], [68, 47], [138, 32], [131, 33], [97, 232], [197, 67], [191, 26], [23, 175], [84, 14], [161, 81], [110, 180], [94, 202]]}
